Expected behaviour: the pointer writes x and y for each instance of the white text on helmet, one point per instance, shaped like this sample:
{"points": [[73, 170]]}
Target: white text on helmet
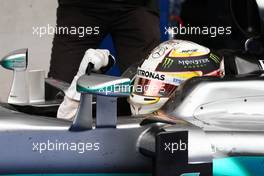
{"points": [[193, 62], [149, 74]]}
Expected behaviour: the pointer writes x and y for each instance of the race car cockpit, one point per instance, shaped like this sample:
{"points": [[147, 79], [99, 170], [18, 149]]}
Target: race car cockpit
{"points": [[222, 119]]}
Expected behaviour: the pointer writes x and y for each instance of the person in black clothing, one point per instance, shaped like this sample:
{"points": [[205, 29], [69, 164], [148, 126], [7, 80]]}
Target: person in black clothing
{"points": [[133, 25]]}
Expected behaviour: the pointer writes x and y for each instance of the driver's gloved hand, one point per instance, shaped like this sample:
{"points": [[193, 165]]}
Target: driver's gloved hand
{"points": [[99, 58]]}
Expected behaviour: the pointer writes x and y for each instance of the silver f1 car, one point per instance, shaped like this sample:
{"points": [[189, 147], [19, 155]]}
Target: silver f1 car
{"points": [[222, 131]]}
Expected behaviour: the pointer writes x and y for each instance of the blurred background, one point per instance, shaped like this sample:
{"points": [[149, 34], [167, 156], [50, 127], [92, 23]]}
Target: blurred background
{"points": [[18, 17]]}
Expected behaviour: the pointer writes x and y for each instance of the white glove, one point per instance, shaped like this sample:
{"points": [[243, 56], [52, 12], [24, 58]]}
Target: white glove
{"points": [[99, 58]]}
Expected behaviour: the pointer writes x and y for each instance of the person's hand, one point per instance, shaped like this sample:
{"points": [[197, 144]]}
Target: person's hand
{"points": [[99, 58]]}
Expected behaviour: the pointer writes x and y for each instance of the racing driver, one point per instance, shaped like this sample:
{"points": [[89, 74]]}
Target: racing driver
{"points": [[166, 68]]}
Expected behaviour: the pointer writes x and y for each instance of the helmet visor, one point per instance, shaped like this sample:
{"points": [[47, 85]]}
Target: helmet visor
{"points": [[152, 88]]}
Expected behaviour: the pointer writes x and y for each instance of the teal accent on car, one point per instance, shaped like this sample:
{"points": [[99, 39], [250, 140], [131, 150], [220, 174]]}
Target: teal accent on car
{"points": [[11, 63], [107, 90], [239, 166]]}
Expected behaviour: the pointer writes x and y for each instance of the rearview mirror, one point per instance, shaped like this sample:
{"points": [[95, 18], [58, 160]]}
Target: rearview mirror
{"points": [[104, 85], [107, 89], [16, 60]]}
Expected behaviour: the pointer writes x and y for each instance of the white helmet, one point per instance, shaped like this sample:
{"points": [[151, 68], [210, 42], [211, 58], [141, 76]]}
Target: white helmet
{"points": [[168, 65]]}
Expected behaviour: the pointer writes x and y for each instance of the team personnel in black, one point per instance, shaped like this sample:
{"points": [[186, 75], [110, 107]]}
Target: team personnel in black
{"points": [[133, 25]]}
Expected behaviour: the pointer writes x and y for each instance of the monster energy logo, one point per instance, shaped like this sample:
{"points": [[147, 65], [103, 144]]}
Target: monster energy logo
{"points": [[215, 58], [192, 62], [167, 63]]}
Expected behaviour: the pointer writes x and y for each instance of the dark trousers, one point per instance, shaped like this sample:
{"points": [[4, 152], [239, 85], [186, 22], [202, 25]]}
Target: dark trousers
{"points": [[134, 29]]}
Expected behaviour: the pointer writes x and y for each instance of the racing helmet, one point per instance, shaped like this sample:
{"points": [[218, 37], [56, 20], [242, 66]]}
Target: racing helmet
{"points": [[167, 66]]}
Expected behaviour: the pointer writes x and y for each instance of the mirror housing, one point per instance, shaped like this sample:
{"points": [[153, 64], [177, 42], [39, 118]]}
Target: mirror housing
{"points": [[106, 89], [103, 85], [16, 60]]}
